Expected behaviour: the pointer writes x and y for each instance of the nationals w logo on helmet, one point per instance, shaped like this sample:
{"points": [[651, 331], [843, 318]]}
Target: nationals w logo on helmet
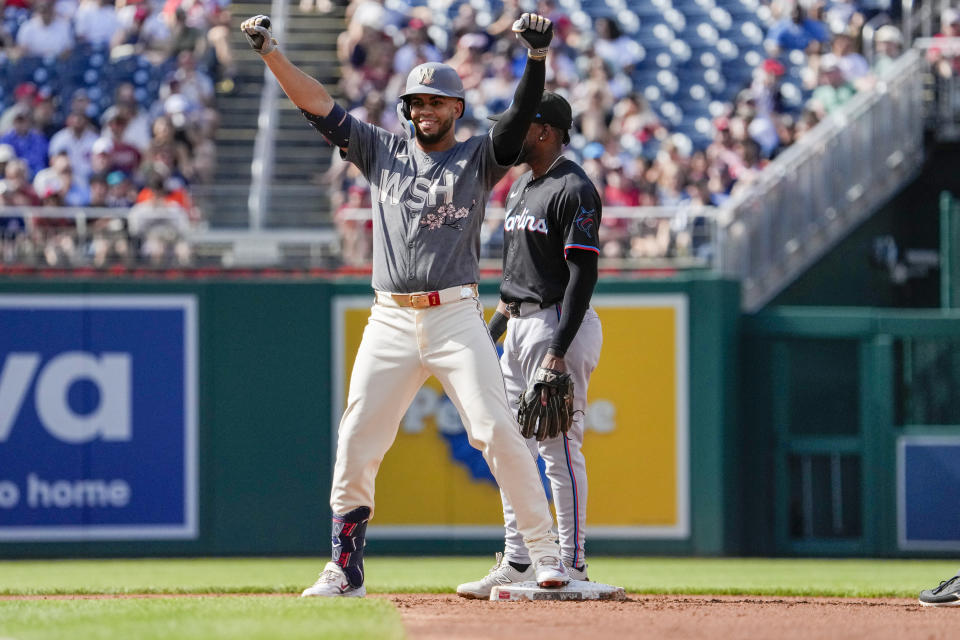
{"points": [[426, 75]]}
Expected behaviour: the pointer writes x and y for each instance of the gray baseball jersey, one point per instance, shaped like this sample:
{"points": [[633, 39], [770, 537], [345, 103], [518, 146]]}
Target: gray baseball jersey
{"points": [[427, 207]]}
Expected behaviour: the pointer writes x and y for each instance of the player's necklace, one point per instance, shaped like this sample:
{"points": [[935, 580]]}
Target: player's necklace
{"points": [[552, 165]]}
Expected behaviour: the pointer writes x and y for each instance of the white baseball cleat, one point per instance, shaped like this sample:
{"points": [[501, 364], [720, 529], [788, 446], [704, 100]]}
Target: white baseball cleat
{"points": [[577, 574], [551, 574], [501, 573], [332, 583]]}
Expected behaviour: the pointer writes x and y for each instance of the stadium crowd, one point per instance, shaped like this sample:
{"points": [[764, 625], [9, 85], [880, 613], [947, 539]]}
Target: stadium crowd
{"points": [[678, 104], [684, 126], [110, 105]]}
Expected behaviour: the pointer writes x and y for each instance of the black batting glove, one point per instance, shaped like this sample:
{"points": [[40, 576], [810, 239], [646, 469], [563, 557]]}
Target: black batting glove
{"points": [[257, 32], [534, 32]]}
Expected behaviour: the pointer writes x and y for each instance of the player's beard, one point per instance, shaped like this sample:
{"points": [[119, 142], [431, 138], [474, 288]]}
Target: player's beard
{"points": [[442, 129]]}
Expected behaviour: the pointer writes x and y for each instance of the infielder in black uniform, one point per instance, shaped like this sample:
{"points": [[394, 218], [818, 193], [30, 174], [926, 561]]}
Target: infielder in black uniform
{"points": [[429, 194], [549, 272]]}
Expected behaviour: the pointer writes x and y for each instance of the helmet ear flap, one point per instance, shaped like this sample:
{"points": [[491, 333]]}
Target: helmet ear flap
{"points": [[403, 113]]}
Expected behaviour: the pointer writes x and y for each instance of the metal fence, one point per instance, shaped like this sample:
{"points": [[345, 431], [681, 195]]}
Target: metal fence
{"points": [[817, 190]]}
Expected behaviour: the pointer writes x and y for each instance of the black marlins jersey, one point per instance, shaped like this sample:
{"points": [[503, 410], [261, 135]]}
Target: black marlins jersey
{"points": [[546, 218]]}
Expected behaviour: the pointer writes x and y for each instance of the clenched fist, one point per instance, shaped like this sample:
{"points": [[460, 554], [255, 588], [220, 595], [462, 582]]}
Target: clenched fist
{"points": [[534, 32], [257, 32]]}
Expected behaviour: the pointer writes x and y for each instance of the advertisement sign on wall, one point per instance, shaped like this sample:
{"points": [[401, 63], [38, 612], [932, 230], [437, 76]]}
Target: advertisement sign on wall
{"points": [[433, 483], [98, 424], [928, 491]]}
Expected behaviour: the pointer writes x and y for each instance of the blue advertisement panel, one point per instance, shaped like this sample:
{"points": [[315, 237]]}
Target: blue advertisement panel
{"points": [[98, 427], [928, 485]]}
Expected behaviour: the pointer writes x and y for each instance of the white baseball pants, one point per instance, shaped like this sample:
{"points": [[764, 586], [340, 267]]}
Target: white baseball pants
{"points": [[400, 349], [523, 349]]}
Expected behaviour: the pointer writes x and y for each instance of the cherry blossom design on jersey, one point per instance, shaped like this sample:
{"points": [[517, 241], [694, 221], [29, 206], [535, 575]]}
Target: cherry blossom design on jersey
{"points": [[446, 216]]}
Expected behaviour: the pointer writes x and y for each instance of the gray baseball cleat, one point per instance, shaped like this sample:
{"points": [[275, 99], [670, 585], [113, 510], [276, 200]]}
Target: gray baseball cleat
{"points": [[551, 574], [333, 583], [946, 595], [577, 574], [501, 573]]}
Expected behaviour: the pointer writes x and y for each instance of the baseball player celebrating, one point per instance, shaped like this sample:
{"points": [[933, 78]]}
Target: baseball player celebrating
{"points": [[429, 194], [553, 335]]}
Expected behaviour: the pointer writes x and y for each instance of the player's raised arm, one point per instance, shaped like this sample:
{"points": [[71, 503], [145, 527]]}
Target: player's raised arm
{"points": [[534, 32], [304, 91]]}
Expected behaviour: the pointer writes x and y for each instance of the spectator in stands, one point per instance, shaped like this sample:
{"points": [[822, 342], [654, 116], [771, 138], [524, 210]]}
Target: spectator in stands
{"points": [[355, 232], [194, 85], [98, 190], [45, 34], [757, 125], [508, 15], [121, 191], [945, 59], [30, 144], [497, 90], [81, 103], [140, 33], [616, 49], [58, 179], [853, 65], [158, 224], [766, 89], [464, 22], [183, 36], [96, 22], [219, 59], [137, 132], [167, 187], [417, 49], [619, 191], [468, 60], [24, 97], [843, 16], [633, 117], [169, 151], [889, 46], [110, 243], [45, 118], [834, 90], [76, 140], [123, 156], [374, 110], [796, 32], [17, 190], [751, 164]]}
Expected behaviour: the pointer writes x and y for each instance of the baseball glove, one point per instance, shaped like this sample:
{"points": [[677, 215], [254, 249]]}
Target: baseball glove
{"points": [[546, 407]]}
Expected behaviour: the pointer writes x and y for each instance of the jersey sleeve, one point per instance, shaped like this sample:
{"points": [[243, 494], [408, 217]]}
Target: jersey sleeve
{"points": [[491, 171], [367, 142], [580, 209]]}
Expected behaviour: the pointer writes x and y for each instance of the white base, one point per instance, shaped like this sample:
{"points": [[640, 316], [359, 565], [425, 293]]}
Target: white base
{"points": [[576, 590]]}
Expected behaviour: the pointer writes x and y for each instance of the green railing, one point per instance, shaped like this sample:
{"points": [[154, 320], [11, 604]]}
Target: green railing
{"points": [[835, 389]]}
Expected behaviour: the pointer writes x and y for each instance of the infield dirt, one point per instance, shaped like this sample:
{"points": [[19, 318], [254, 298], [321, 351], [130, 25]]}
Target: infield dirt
{"points": [[655, 617], [436, 617]]}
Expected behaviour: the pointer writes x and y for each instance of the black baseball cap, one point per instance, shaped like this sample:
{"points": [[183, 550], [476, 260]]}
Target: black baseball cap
{"points": [[554, 111]]}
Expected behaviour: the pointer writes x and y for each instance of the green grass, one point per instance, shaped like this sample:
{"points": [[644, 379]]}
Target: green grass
{"points": [[207, 618], [278, 616], [804, 577]]}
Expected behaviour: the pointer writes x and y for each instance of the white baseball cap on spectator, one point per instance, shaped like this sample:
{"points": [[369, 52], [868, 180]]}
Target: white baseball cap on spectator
{"points": [[949, 17], [829, 62], [102, 145], [7, 153], [889, 33]]}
